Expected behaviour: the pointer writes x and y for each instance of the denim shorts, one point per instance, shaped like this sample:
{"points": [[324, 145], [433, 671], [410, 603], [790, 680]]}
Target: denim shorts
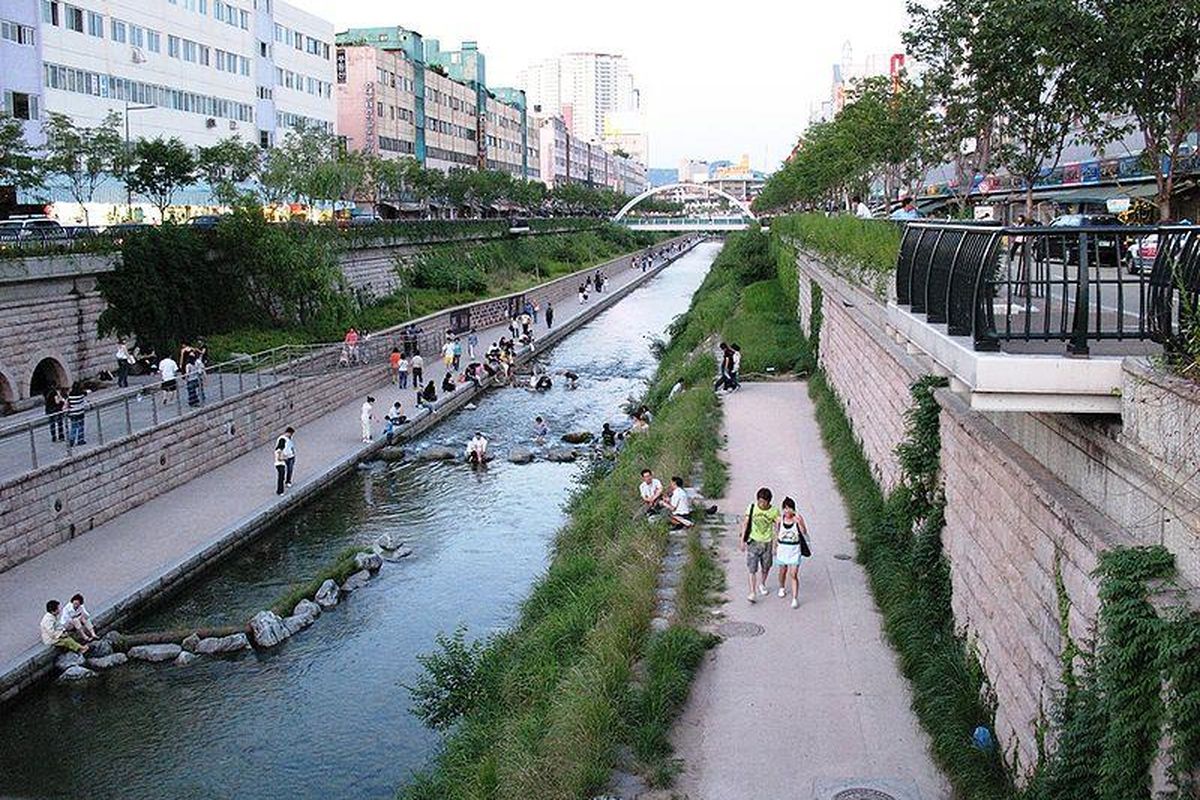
{"points": [[758, 556]]}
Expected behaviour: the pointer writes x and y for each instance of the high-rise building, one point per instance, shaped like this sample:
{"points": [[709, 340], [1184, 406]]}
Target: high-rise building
{"points": [[209, 69], [584, 88]]}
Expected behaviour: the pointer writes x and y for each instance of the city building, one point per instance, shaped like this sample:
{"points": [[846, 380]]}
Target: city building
{"points": [[625, 132], [691, 171], [844, 73], [207, 69], [585, 89], [566, 158], [737, 179]]}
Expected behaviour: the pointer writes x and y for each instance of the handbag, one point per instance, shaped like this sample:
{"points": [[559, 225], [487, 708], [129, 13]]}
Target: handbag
{"points": [[805, 551], [749, 520]]}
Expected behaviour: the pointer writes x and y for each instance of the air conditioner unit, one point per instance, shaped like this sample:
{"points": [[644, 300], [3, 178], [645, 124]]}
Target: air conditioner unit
{"points": [[137, 56], [210, 123]]}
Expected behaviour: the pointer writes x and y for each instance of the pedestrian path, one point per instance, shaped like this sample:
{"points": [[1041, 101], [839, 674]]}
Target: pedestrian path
{"points": [[814, 704], [133, 552]]}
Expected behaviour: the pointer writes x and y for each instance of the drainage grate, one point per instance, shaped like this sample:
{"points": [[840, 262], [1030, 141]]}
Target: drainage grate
{"points": [[842, 556], [728, 629], [862, 794]]}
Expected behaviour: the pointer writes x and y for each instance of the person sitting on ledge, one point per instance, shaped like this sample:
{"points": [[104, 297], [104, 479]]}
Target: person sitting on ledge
{"points": [[477, 449], [448, 383], [76, 620], [427, 397], [53, 634]]}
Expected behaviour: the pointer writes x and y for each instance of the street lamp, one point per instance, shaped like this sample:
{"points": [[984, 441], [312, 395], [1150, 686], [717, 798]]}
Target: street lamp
{"points": [[128, 191]]}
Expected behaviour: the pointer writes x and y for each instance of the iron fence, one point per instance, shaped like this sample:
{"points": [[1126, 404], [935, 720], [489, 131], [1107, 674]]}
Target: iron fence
{"points": [[1078, 285]]}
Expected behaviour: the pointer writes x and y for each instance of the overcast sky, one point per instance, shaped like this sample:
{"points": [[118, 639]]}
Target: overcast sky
{"points": [[739, 78]]}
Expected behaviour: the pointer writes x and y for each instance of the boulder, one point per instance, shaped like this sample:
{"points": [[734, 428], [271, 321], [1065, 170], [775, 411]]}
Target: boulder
{"points": [[106, 662], [307, 608], [267, 629], [520, 455], [297, 622], [327, 595], [388, 541], [65, 661], [368, 561], [155, 652], [76, 674], [391, 453], [190, 643], [394, 555], [184, 658], [113, 638], [560, 454], [222, 644], [99, 649], [577, 437], [438, 454], [356, 581]]}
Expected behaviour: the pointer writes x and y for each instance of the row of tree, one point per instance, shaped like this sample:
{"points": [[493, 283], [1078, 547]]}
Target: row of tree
{"points": [[309, 166], [1007, 85]]}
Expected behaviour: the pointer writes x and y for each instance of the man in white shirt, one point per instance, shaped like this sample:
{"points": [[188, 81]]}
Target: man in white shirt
{"points": [[367, 416], [679, 503], [123, 362], [285, 460], [75, 617], [52, 632], [418, 371], [167, 370], [651, 491], [477, 449], [861, 210]]}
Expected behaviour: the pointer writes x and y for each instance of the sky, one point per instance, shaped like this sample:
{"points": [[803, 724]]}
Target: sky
{"points": [[717, 80]]}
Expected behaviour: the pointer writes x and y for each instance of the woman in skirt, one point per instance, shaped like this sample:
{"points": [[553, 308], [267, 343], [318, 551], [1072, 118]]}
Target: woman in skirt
{"points": [[792, 531]]}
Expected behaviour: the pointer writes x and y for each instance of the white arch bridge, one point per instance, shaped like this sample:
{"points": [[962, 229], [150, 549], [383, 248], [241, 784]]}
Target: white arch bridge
{"points": [[723, 222]]}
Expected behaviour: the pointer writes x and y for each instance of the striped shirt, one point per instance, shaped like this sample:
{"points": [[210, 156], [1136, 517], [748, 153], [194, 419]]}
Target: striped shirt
{"points": [[76, 404]]}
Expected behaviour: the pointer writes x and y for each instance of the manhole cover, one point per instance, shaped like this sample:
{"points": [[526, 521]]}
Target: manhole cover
{"points": [[862, 794], [728, 629], [844, 557]]}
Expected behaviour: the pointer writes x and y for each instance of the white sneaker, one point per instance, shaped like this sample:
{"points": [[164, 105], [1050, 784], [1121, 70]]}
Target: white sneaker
{"points": [[795, 602], [751, 597], [764, 591], [782, 592]]}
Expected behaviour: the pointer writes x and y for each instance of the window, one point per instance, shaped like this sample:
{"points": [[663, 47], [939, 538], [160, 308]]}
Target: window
{"points": [[153, 41], [264, 139], [189, 50], [50, 12], [218, 11], [263, 49], [325, 50], [21, 34], [95, 24], [173, 46], [202, 6], [20, 105], [297, 41], [74, 18], [245, 65], [264, 93], [244, 20], [379, 109], [204, 55], [137, 36], [118, 31]]}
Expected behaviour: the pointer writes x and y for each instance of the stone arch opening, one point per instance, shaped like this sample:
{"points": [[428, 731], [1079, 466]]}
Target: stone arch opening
{"points": [[48, 373]]}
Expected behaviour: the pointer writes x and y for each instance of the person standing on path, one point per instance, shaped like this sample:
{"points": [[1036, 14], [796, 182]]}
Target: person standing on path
{"points": [[285, 460], [735, 367], [789, 551], [472, 344], [123, 362], [367, 416], [168, 369], [76, 414], [458, 348], [192, 379], [56, 407], [758, 541], [418, 369], [549, 315]]}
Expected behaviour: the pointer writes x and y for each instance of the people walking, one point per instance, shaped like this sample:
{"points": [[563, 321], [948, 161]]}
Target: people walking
{"points": [[367, 416], [285, 460], [56, 407], [417, 367], [76, 415], [458, 350], [735, 367], [724, 380], [168, 370], [758, 541], [472, 344], [790, 546], [549, 315], [123, 362]]}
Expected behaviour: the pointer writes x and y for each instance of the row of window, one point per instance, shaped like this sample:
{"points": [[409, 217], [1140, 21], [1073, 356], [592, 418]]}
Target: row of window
{"points": [[396, 145], [222, 12], [449, 155], [16, 32], [298, 40], [286, 119], [303, 83], [388, 78], [438, 97], [84, 81], [449, 128], [394, 112]]}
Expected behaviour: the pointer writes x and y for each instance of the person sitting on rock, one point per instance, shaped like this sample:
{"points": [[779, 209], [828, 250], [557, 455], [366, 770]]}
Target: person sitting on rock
{"points": [[76, 620], [53, 634], [477, 449]]}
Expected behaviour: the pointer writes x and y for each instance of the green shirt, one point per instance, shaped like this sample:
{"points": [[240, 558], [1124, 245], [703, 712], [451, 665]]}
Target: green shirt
{"points": [[762, 523]]}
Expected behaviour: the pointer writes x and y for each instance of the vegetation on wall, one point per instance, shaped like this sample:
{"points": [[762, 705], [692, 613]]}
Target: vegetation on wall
{"points": [[862, 251]]}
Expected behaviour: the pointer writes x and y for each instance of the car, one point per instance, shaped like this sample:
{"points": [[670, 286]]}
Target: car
{"points": [[358, 217], [205, 221], [1109, 248], [1143, 252], [32, 229]]}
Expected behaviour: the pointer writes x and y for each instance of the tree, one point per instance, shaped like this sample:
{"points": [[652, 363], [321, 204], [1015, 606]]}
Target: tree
{"points": [[84, 157], [159, 168], [1148, 59], [226, 164], [18, 165]]}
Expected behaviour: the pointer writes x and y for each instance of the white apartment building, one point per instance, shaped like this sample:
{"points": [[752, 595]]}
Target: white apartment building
{"points": [[207, 69], [584, 88]]}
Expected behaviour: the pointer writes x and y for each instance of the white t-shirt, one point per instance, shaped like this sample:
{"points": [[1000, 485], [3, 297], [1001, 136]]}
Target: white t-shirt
{"points": [[650, 489], [367, 408], [680, 503], [168, 369], [737, 361], [448, 350], [417, 361], [70, 613], [478, 444], [862, 211], [287, 446]]}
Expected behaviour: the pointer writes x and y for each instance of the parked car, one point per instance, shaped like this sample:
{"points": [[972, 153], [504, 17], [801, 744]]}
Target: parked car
{"points": [[360, 217], [1143, 252], [22, 228], [1109, 248], [205, 221]]}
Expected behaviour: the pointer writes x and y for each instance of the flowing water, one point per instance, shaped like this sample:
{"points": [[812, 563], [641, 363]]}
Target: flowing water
{"points": [[327, 714]]}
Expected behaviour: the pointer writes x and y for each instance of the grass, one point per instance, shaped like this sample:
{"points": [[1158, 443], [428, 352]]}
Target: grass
{"points": [[861, 250], [341, 568]]}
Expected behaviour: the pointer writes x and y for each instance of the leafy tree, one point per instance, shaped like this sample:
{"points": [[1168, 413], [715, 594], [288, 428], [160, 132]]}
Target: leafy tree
{"points": [[19, 166], [226, 164], [1147, 54], [159, 168], [83, 156]]}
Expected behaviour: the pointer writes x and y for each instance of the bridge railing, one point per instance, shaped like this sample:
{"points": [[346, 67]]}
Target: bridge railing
{"points": [[1078, 285]]}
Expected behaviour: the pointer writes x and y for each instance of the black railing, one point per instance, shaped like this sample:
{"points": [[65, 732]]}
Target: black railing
{"points": [[1078, 285]]}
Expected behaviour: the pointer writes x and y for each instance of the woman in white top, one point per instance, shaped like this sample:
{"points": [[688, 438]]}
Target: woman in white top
{"points": [[789, 532]]}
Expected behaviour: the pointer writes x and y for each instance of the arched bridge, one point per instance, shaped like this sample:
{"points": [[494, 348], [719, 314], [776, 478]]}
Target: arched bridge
{"points": [[723, 222]]}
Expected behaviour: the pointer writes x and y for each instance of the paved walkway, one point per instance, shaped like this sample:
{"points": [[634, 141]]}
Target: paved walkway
{"points": [[117, 559], [816, 703]]}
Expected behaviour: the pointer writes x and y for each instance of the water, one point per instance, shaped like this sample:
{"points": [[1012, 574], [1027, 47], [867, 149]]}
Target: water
{"points": [[327, 715]]}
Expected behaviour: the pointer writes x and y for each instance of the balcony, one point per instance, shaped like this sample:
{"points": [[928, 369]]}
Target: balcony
{"points": [[1040, 318]]}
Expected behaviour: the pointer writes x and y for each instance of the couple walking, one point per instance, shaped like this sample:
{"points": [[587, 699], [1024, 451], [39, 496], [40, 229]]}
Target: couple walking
{"points": [[774, 536]]}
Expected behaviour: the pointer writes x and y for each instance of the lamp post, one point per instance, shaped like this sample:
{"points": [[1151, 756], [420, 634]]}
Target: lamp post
{"points": [[128, 191]]}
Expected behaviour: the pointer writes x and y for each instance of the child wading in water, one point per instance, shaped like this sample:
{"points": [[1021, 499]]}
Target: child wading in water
{"points": [[791, 542]]}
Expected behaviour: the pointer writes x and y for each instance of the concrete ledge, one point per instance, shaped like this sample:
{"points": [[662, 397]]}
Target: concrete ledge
{"points": [[24, 670]]}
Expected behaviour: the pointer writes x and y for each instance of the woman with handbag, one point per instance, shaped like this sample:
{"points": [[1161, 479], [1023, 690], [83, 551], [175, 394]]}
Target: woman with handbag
{"points": [[791, 547]]}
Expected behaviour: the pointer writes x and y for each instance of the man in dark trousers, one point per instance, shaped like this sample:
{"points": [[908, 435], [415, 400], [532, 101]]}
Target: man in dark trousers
{"points": [[549, 315], [285, 460]]}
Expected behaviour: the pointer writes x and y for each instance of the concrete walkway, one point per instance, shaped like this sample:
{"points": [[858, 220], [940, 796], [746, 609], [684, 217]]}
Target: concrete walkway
{"points": [[127, 559], [815, 704]]}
